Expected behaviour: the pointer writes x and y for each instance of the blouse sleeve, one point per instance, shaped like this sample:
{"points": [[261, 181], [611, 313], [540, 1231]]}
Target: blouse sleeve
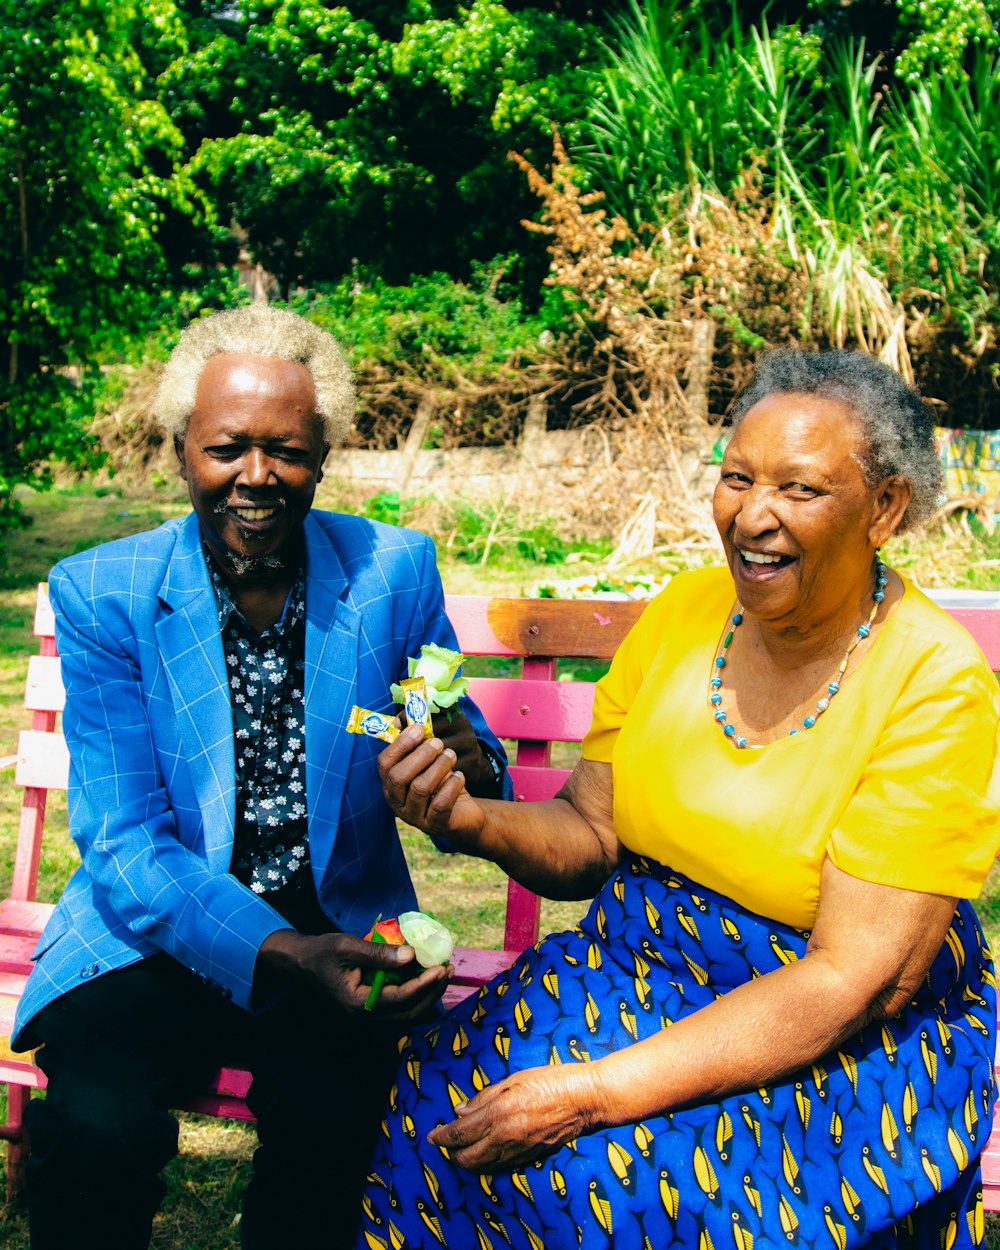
{"points": [[925, 814]]}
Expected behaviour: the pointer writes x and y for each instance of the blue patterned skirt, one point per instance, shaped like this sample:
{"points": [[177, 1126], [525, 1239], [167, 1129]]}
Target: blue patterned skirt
{"points": [[876, 1144]]}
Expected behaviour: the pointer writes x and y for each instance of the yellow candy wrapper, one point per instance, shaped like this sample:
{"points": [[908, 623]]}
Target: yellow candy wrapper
{"points": [[415, 703], [372, 724]]}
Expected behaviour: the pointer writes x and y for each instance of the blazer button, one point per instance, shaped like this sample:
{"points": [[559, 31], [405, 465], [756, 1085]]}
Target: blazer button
{"points": [[91, 970]]}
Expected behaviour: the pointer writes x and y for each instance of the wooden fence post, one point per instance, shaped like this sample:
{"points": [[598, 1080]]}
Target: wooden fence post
{"points": [[414, 442]]}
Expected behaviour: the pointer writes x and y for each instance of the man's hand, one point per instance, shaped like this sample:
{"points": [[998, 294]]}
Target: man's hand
{"points": [[337, 961], [523, 1118], [454, 729]]}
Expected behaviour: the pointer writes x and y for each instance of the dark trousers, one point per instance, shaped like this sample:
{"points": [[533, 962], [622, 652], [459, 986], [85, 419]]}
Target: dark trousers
{"points": [[121, 1050]]}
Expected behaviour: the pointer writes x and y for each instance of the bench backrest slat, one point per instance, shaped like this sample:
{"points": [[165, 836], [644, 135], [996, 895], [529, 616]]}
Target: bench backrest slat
{"points": [[532, 785], [984, 625], [44, 690], [42, 760], [556, 711], [582, 628]]}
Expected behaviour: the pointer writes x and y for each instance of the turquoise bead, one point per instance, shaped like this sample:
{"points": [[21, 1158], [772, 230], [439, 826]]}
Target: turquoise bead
{"points": [[809, 722], [729, 730]]}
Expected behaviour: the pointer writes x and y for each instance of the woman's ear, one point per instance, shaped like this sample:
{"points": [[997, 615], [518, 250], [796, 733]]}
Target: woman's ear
{"points": [[892, 498]]}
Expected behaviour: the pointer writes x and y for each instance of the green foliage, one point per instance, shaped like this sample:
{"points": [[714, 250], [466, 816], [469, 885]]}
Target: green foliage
{"points": [[385, 507], [374, 135], [941, 34], [92, 177], [432, 323], [883, 195]]}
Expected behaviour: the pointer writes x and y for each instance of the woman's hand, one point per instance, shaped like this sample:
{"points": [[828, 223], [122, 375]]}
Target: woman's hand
{"points": [[422, 785], [523, 1118], [336, 962]]}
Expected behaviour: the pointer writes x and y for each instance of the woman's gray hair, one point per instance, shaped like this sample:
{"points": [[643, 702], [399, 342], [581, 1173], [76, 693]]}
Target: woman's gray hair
{"points": [[257, 330], [899, 430]]}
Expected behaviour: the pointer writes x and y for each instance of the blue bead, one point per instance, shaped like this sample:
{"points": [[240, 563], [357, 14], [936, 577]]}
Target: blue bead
{"points": [[792, 733], [864, 631], [878, 596], [715, 698], [741, 742], [738, 618], [720, 715], [729, 730], [809, 722], [833, 687], [822, 705], [715, 683], [720, 661], [881, 581]]}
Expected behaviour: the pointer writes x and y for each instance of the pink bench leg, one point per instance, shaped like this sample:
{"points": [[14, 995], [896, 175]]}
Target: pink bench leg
{"points": [[17, 1139]]}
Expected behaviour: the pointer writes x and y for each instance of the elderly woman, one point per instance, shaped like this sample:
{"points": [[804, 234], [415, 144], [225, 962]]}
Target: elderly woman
{"points": [[776, 1022]]}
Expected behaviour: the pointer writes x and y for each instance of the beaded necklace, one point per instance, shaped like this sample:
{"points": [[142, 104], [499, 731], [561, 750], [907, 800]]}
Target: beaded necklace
{"points": [[715, 685]]}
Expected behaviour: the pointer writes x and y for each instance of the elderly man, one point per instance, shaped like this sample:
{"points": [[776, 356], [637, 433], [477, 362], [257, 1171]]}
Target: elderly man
{"points": [[233, 837]]}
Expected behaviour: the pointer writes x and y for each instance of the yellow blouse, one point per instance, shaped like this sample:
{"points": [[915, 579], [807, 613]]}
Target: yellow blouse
{"points": [[896, 782]]}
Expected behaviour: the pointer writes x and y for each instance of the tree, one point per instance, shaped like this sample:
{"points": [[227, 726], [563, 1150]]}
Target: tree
{"points": [[92, 185], [376, 135]]}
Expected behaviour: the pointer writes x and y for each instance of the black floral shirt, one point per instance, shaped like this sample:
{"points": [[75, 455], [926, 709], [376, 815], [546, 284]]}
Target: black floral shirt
{"points": [[267, 693]]}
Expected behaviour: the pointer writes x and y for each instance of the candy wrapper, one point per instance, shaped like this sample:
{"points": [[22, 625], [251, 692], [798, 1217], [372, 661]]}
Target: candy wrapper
{"points": [[437, 666], [372, 724], [415, 703], [432, 944]]}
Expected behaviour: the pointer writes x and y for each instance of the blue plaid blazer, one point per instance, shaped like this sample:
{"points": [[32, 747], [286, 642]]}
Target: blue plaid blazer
{"points": [[152, 783]]}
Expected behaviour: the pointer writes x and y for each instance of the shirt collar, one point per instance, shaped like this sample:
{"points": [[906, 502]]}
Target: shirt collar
{"points": [[293, 611]]}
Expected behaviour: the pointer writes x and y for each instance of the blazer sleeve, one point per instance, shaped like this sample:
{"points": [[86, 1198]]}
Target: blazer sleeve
{"points": [[121, 816]]}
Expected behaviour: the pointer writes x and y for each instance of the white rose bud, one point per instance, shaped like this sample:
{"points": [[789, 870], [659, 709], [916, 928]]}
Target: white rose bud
{"points": [[432, 943]]}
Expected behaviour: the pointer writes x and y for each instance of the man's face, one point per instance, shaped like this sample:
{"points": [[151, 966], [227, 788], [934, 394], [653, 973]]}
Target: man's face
{"points": [[252, 456]]}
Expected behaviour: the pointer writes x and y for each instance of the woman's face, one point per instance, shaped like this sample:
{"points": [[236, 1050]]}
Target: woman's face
{"points": [[798, 521]]}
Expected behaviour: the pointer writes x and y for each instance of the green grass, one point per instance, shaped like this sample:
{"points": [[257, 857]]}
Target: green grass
{"points": [[205, 1182]]}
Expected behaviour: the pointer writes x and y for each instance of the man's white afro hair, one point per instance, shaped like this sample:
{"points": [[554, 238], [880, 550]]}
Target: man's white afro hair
{"points": [[257, 330]]}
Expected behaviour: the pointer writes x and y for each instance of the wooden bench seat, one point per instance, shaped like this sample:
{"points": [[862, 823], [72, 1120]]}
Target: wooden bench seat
{"points": [[533, 710]]}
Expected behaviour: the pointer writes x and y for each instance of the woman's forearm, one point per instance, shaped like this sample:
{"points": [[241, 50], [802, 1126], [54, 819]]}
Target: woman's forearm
{"points": [[547, 847], [563, 848], [752, 1037]]}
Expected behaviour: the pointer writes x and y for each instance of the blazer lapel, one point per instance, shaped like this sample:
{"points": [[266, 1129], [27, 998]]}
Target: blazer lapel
{"points": [[333, 630], [190, 645]]}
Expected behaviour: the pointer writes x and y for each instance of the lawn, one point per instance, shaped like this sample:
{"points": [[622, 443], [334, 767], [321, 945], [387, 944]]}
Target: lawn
{"points": [[205, 1182]]}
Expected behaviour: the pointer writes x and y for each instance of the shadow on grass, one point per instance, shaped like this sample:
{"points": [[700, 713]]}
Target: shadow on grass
{"points": [[205, 1186]]}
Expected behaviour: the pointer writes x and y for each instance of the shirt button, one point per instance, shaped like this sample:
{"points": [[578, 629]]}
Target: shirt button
{"points": [[91, 970]]}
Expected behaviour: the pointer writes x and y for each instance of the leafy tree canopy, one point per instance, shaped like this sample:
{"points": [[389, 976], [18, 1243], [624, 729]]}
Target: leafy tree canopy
{"points": [[92, 177], [376, 135]]}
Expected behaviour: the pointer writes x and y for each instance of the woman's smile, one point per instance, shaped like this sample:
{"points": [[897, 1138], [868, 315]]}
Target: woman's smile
{"points": [[761, 565]]}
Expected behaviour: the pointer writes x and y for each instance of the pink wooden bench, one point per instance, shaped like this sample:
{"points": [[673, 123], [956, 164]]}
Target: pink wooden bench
{"points": [[533, 710]]}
